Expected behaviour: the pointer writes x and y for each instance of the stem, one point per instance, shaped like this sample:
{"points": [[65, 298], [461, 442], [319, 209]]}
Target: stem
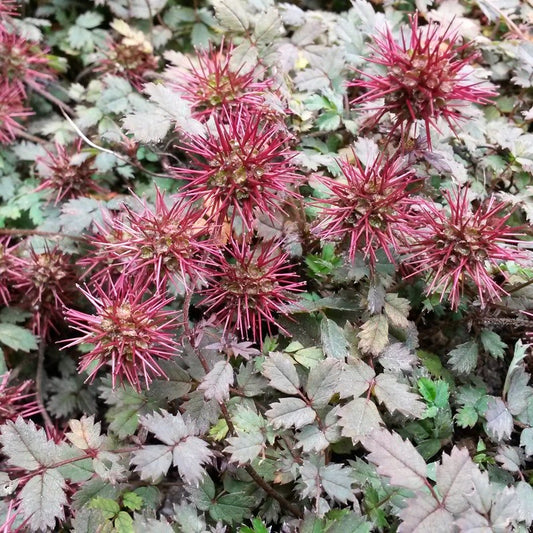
{"points": [[30, 137], [50, 97], [285, 504], [39, 384]]}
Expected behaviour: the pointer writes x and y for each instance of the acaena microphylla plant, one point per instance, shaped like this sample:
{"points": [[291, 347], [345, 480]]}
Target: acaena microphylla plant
{"points": [[243, 166], [68, 173], [7, 261], [11, 108], [426, 77], [250, 285], [367, 208], [16, 399], [46, 281], [22, 62], [131, 58], [460, 246], [129, 331], [211, 83], [167, 242]]}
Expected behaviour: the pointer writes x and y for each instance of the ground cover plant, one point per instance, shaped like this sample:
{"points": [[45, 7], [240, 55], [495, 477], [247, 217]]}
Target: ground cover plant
{"points": [[266, 266]]}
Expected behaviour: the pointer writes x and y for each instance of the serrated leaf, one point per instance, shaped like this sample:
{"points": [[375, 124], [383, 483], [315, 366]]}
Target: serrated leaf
{"points": [[520, 352], [397, 357], [463, 358], [189, 453], [519, 393], [27, 446], [268, 26], [217, 382], [323, 382], [280, 370], [290, 412], [147, 126], [355, 379], [374, 335], [397, 397], [334, 341], [492, 343], [454, 479], [152, 462], [17, 338], [232, 508], [358, 419], [42, 500], [245, 447], [509, 458], [397, 459], [232, 15], [334, 479], [499, 419], [424, 514], [189, 456], [526, 440], [397, 310], [85, 434], [145, 524]]}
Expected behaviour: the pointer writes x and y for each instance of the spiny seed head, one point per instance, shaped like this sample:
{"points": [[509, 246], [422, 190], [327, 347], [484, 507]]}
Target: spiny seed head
{"points": [[242, 167], [46, 281], [16, 400], [11, 108], [212, 83], [167, 242], [8, 260], [249, 286], [22, 62], [67, 172], [458, 247], [130, 330], [131, 57], [425, 77], [367, 210]]}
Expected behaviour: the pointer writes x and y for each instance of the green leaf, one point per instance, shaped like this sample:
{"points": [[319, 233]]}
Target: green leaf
{"points": [[217, 382], [280, 370], [323, 382], [109, 507], [89, 20], [397, 397], [232, 508], [397, 310], [290, 412], [359, 418], [245, 447], [492, 343], [124, 523], [374, 335], [463, 358], [396, 459], [42, 500], [17, 338], [334, 342], [132, 501], [232, 15], [499, 419], [27, 446]]}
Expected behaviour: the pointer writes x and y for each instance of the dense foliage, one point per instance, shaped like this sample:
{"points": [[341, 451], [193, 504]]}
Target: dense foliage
{"points": [[266, 266]]}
